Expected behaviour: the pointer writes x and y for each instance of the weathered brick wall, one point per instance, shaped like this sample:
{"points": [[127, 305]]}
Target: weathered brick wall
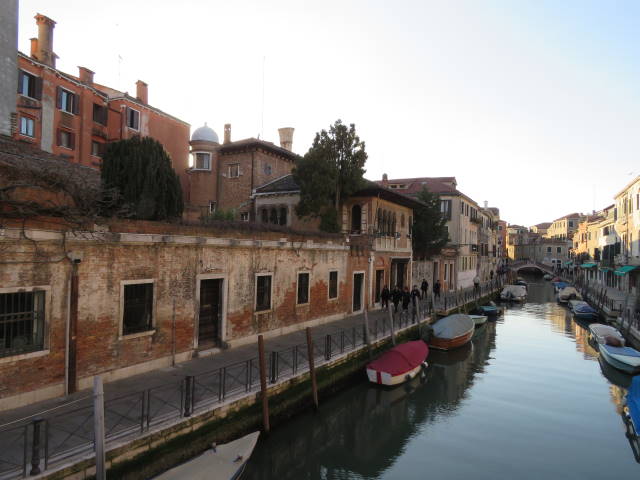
{"points": [[174, 267]]}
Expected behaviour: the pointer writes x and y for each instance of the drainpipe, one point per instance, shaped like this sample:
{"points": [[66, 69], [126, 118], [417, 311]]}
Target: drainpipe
{"points": [[72, 327]]}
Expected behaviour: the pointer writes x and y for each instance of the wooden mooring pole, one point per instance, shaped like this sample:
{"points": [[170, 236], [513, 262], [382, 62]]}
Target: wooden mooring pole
{"points": [[367, 333], [98, 426], [263, 384], [312, 368]]}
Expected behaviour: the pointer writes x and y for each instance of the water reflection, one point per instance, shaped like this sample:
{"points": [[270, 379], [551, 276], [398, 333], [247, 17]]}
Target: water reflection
{"points": [[361, 433]]}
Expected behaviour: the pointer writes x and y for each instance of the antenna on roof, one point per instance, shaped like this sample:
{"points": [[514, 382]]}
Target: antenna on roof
{"points": [[264, 59]]}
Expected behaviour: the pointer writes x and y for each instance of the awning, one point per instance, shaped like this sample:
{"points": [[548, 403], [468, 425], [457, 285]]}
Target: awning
{"points": [[624, 269], [570, 262], [605, 269], [588, 265]]}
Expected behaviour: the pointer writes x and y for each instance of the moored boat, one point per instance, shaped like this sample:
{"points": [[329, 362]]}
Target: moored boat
{"points": [[585, 312], [403, 362], [626, 359], [221, 462], [452, 332], [515, 293], [491, 310], [600, 332], [547, 276], [568, 293], [479, 320], [632, 408], [574, 303]]}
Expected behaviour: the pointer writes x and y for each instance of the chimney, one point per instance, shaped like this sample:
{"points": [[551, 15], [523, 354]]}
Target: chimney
{"points": [[142, 92], [45, 40], [227, 133], [385, 180], [85, 75], [34, 48], [286, 137]]}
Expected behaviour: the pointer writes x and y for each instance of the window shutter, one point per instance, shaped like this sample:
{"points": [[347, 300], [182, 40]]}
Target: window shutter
{"points": [[76, 104], [127, 116], [58, 97], [104, 115], [38, 88], [20, 75], [72, 141]]}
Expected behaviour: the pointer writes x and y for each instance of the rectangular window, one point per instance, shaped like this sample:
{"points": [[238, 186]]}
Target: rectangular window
{"points": [[558, 249], [100, 114], [303, 288], [333, 284], [27, 126], [202, 161], [234, 170], [67, 101], [29, 85], [445, 209], [133, 119], [263, 293], [66, 139], [21, 322], [138, 308], [244, 217], [548, 249], [97, 149]]}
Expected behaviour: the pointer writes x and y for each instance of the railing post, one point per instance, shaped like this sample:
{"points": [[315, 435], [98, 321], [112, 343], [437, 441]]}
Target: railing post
{"points": [[327, 347], [312, 369], [354, 338], [295, 360], [249, 374], [274, 367], [263, 384], [188, 395], [35, 447], [224, 383], [342, 341]]}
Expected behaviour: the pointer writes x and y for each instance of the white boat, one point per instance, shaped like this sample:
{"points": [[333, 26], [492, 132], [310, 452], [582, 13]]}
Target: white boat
{"points": [[574, 303], [600, 332], [516, 293], [568, 293], [626, 359], [221, 462], [479, 319]]}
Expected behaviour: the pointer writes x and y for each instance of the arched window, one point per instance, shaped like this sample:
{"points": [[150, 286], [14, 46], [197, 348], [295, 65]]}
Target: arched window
{"points": [[283, 215], [402, 220], [410, 224], [384, 228], [379, 220], [264, 215], [356, 219], [273, 216], [393, 225]]}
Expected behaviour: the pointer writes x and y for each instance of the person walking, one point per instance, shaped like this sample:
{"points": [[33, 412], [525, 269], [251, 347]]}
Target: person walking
{"points": [[436, 289], [415, 299], [406, 300], [424, 287], [476, 284], [384, 296], [396, 296]]}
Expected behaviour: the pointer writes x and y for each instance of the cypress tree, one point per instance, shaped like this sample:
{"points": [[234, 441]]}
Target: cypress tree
{"points": [[139, 171]]}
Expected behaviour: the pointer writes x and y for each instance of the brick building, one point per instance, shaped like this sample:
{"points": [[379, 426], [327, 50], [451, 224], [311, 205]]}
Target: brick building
{"points": [[73, 117], [121, 297], [224, 176]]}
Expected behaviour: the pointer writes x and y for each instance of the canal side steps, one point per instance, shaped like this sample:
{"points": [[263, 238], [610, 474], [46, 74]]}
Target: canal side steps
{"points": [[150, 431]]}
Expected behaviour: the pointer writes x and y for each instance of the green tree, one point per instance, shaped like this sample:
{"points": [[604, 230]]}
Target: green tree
{"points": [[139, 170], [330, 171], [430, 233]]}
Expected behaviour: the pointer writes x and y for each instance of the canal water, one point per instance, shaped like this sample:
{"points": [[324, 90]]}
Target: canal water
{"points": [[528, 399]]}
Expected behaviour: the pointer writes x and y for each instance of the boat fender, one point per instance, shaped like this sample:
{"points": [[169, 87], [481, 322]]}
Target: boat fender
{"points": [[424, 365]]}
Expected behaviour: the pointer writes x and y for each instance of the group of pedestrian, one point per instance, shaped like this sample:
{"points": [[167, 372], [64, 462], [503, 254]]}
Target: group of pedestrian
{"points": [[403, 296]]}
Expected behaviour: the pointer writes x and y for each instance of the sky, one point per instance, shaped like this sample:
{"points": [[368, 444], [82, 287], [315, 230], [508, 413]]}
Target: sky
{"points": [[534, 106]]}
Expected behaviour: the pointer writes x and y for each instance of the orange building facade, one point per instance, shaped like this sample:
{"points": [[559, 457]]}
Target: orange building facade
{"points": [[74, 117]]}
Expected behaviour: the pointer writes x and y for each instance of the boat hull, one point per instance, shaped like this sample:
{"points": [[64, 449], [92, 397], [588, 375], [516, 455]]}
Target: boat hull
{"points": [[479, 320], [384, 378], [451, 343], [619, 362]]}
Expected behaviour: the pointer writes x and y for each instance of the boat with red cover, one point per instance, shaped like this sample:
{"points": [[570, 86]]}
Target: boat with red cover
{"points": [[399, 364]]}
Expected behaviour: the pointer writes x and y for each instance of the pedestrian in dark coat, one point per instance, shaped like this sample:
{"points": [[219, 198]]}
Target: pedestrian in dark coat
{"points": [[415, 296], [396, 296], [436, 289], [406, 299], [384, 296], [424, 286]]}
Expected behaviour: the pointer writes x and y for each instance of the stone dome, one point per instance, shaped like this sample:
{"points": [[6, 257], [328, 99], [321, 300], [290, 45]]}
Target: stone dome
{"points": [[205, 134]]}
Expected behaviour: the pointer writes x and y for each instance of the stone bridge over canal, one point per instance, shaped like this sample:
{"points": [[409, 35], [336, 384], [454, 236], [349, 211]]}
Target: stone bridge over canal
{"points": [[531, 265]]}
